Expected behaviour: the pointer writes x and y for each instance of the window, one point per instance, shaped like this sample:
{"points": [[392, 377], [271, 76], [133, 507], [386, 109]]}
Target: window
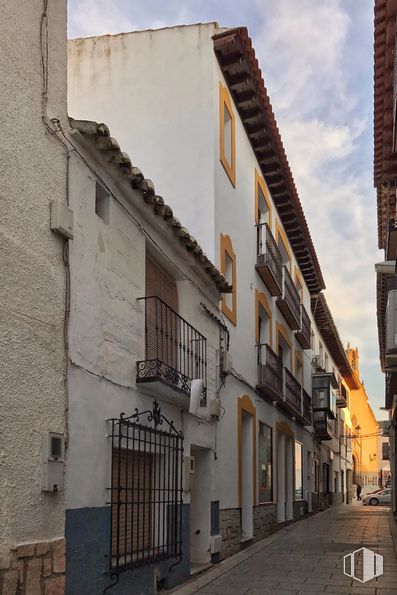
{"points": [[298, 471], [263, 320], [227, 134], [299, 284], [284, 347], [299, 367], [282, 244], [321, 355], [228, 269], [312, 341], [265, 480], [326, 362], [263, 211], [102, 202]]}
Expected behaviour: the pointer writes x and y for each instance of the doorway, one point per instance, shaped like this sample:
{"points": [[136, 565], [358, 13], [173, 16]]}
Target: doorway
{"points": [[285, 473], [200, 510]]}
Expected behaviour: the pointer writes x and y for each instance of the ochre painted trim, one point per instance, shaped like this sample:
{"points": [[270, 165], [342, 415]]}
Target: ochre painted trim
{"points": [[225, 101], [281, 330], [298, 277], [261, 300], [227, 248], [299, 358], [280, 234], [244, 403], [260, 183]]}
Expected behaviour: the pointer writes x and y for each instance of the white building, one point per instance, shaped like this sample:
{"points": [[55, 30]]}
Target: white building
{"points": [[144, 341], [32, 294], [191, 103]]}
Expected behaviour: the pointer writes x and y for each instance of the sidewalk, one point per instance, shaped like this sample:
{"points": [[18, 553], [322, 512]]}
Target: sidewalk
{"points": [[306, 558]]}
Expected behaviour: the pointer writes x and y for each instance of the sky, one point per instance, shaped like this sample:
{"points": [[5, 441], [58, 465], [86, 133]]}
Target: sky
{"points": [[317, 61]]}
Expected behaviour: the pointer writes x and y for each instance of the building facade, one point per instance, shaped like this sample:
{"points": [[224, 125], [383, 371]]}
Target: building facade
{"points": [[385, 178], [32, 295], [236, 191]]}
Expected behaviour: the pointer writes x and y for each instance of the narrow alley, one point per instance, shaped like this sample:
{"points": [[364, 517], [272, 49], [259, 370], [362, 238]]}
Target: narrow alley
{"points": [[307, 558]]}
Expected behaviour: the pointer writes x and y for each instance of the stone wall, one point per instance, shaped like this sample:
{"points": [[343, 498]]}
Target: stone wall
{"points": [[265, 520], [230, 525], [34, 569]]}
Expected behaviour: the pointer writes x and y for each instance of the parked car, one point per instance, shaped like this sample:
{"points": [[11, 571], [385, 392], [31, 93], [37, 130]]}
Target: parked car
{"points": [[378, 497]]}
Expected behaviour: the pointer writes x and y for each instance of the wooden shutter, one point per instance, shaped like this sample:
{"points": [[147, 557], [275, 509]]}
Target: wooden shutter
{"points": [[162, 323], [132, 504], [161, 284]]}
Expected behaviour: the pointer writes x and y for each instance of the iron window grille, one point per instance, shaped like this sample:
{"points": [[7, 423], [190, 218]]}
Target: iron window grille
{"points": [[176, 353], [146, 491]]}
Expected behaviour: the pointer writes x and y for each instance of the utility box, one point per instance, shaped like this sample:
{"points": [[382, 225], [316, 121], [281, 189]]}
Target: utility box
{"points": [[215, 408], [225, 362], [53, 459], [215, 544], [61, 219], [189, 469]]}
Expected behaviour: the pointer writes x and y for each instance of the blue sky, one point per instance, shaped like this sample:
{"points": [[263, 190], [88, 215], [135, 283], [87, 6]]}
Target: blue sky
{"points": [[317, 59]]}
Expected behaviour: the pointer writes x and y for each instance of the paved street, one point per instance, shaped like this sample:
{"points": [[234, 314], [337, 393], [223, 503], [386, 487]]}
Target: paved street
{"points": [[307, 558]]}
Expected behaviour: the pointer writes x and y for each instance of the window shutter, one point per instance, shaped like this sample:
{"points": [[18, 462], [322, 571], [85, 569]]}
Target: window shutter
{"points": [[161, 284]]}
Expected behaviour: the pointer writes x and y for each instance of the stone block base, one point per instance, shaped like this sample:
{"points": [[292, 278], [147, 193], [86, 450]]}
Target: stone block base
{"points": [[34, 569]]}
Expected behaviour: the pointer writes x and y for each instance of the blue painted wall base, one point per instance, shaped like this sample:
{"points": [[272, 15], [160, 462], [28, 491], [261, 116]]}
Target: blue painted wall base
{"points": [[87, 545]]}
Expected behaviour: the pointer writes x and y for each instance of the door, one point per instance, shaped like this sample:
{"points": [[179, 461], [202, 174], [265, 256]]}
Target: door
{"points": [[247, 491], [281, 478]]}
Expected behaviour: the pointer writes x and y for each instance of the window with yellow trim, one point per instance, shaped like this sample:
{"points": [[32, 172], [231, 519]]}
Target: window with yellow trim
{"points": [[298, 284], [227, 136], [299, 367], [284, 351], [228, 269], [285, 256], [264, 326]]}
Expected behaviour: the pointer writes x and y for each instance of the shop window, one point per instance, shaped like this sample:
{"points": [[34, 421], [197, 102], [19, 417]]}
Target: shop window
{"points": [[265, 470]]}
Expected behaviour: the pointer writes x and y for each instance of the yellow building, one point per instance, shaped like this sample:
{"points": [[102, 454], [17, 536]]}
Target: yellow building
{"points": [[365, 444]]}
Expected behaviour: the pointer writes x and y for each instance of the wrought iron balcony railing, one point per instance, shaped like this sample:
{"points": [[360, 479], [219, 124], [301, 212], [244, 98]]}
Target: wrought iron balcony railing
{"points": [[270, 373], [289, 301], [175, 352], [292, 391], [303, 333], [269, 261], [323, 428]]}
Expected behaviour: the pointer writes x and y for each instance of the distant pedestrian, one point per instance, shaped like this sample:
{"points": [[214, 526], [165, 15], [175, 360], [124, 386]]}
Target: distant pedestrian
{"points": [[358, 491]]}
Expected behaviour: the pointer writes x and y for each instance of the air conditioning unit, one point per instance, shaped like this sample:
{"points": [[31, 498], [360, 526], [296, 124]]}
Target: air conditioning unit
{"points": [[318, 363], [391, 330], [225, 362], [215, 544]]}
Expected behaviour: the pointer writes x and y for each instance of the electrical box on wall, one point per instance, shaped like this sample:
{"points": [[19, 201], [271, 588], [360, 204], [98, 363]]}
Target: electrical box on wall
{"points": [[225, 362], [215, 544], [215, 408], [61, 219], [53, 458], [189, 469]]}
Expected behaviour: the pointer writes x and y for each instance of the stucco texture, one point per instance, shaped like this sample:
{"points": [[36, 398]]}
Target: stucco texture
{"points": [[32, 173]]}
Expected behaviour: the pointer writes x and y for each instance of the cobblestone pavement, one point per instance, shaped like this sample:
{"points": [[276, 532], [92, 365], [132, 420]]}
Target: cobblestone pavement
{"points": [[306, 558]]}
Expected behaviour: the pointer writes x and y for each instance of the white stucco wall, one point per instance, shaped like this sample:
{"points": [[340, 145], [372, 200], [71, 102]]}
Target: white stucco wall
{"points": [[32, 173], [153, 90], [107, 327]]}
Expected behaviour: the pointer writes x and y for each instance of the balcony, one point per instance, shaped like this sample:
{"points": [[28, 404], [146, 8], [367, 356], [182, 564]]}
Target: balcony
{"points": [[303, 333], [270, 373], [341, 397], [289, 301], [323, 429], [268, 262], [175, 354], [306, 408], [292, 393]]}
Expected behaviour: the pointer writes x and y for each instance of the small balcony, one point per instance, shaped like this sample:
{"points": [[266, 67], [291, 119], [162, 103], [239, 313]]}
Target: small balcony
{"points": [[289, 301], [341, 397], [268, 261], [270, 373], [323, 429], [175, 354], [303, 333], [292, 393], [307, 408]]}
